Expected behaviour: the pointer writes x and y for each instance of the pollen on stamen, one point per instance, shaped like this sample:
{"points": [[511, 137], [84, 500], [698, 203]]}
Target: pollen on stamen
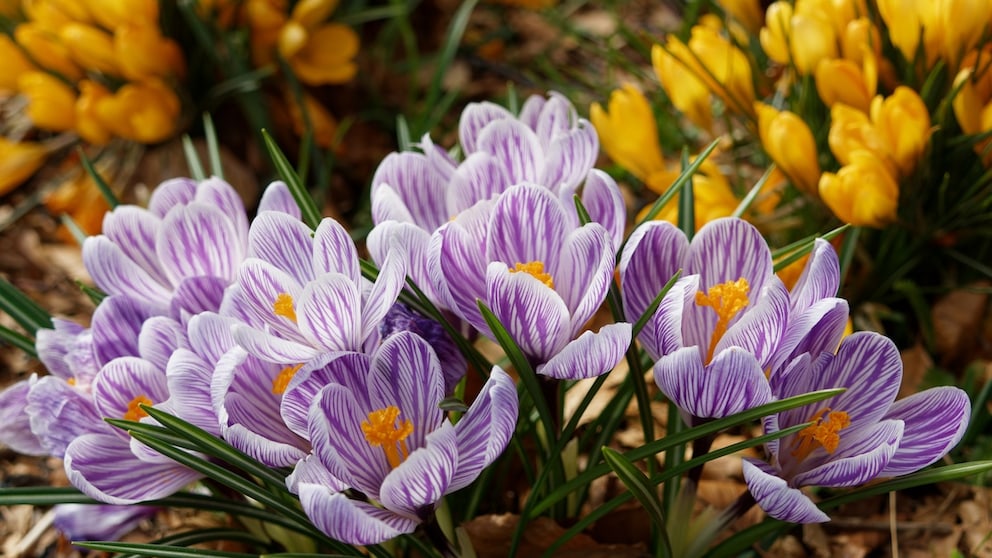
{"points": [[134, 411], [381, 429], [283, 306], [71, 381], [823, 434], [281, 381], [727, 300], [536, 270]]}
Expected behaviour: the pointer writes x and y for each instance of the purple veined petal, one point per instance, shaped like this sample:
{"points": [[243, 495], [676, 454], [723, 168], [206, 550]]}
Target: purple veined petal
{"points": [[309, 470], [270, 442], [386, 289], [793, 379], [54, 347], [188, 378], [584, 274], [778, 499], [569, 157], [654, 253], [103, 467], [59, 414], [347, 369], [210, 335], [271, 348], [261, 285], [441, 162], [532, 313], [159, 338], [528, 224], [861, 456], [476, 117], [603, 200], [198, 240], [557, 117], [277, 197], [415, 243], [134, 231], [116, 325], [760, 327], [124, 379], [486, 428], [530, 112], [171, 193], [87, 522], [351, 521], [728, 249], [285, 242], [516, 147], [406, 374], [335, 430], [662, 334], [590, 355], [816, 330], [423, 478], [330, 313], [480, 177], [732, 383], [116, 274], [401, 318], [457, 264], [217, 193], [934, 422], [194, 295], [334, 251], [417, 188], [820, 278], [16, 433]]}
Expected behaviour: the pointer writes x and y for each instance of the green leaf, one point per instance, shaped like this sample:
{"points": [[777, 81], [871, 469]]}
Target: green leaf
{"points": [[43, 496], [453, 38], [687, 206], [101, 184], [649, 311], [26, 312], [160, 551], [752, 194], [309, 210], [200, 536], [213, 148], [17, 339], [642, 489], [193, 160]]}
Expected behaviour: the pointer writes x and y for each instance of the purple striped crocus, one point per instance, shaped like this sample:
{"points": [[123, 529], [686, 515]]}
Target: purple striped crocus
{"points": [[540, 273], [857, 436], [380, 431]]}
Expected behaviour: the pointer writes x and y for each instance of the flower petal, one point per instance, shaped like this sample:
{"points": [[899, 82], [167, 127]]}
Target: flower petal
{"points": [[778, 499], [198, 240], [727, 249], [159, 338], [820, 278], [116, 326], [285, 242], [115, 273], [732, 383], [271, 348], [514, 145], [760, 328], [351, 521], [277, 197], [16, 433], [654, 252], [590, 355], [603, 200], [406, 185], [329, 313], [585, 271], [310, 470], [475, 117], [457, 266], [334, 251], [87, 522], [480, 177], [188, 378], [134, 230], [59, 414], [861, 456], [406, 374], [528, 224], [124, 379], [170, 193], [197, 294], [485, 429], [386, 289], [532, 313], [816, 330], [569, 157], [422, 479], [935, 420]]}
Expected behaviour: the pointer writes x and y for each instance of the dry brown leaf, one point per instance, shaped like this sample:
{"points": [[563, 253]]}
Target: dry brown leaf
{"points": [[956, 317], [490, 535]]}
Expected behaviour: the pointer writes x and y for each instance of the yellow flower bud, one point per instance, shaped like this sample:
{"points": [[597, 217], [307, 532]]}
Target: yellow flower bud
{"points": [[727, 71], [80, 197], [47, 50], [14, 64], [842, 81], [145, 112], [852, 131], [51, 103], [687, 92], [18, 161], [802, 37], [789, 142], [89, 126], [90, 47], [903, 123], [112, 14], [144, 53], [862, 193], [962, 23], [628, 133], [328, 56], [746, 12], [859, 38]]}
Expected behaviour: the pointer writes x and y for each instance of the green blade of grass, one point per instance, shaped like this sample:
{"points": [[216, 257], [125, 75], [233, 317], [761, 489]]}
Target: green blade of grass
{"points": [[642, 489], [309, 210]]}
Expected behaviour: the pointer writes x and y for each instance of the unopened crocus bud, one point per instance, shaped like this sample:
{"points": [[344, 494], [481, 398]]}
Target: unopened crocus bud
{"points": [[51, 103], [802, 37], [724, 69], [111, 14], [144, 53], [18, 161], [859, 38], [687, 92], [311, 13], [90, 47], [903, 123], [862, 193], [14, 64], [628, 132], [789, 142], [850, 131], [45, 48], [144, 112], [89, 126], [746, 12], [842, 81]]}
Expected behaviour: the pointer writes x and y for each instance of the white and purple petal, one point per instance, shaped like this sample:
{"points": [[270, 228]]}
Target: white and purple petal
{"points": [[413, 487], [351, 521], [589, 355], [777, 498], [486, 428], [935, 420], [732, 383]]}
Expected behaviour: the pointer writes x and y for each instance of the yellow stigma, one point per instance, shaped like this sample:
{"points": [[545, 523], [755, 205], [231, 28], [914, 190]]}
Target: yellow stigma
{"points": [[71, 381], [134, 412], [534, 269], [282, 380], [381, 429], [726, 299], [283, 306], [823, 434]]}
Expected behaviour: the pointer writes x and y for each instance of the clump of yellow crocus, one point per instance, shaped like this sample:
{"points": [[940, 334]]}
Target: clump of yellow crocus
{"points": [[973, 102], [18, 161]]}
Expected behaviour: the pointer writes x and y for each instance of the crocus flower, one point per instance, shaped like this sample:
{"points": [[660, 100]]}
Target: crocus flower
{"points": [[718, 328], [858, 435], [862, 192], [789, 142], [18, 161], [87, 522], [541, 274], [51, 103], [382, 434], [802, 36]]}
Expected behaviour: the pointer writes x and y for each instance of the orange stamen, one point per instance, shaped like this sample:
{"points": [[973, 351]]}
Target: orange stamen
{"points": [[823, 434], [534, 269], [134, 411], [281, 382], [382, 430], [283, 306], [727, 300]]}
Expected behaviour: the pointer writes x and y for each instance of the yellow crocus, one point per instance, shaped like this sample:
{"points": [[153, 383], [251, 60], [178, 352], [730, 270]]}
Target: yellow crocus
{"points": [[18, 161], [51, 103], [145, 112], [746, 12], [843, 81], [862, 193], [859, 39], [90, 47], [628, 132], [789, 142], [712, 195], [81, 199], [687, 92], [803, 37], [903, 124], [963, 22], [14, 64], [851, 131], [111, 14], [89, 125], [46, 49], [144, 53]]}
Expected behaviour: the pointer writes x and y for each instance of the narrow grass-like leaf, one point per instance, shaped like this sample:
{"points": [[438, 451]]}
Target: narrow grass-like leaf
{"points": [[213, 147], [43, 496], [155, 431], [453, 38], [684, 437], [676, 186], [403, 140], [308, 209], [17, 339], [161, 551], [77, 232], [642, 489], [193, 159], [302, 555], [26, 312], [200, 536], [95, 295], [101, 184], [787, 255], [752, 194], [580, 208], [687, 205]]}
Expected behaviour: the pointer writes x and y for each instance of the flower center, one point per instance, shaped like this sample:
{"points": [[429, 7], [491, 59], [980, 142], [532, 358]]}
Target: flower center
{"points": [[823, 434], [534, 269], [281, 382], [727, 300], [381, 429], [134, 411], [283, 306]]}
